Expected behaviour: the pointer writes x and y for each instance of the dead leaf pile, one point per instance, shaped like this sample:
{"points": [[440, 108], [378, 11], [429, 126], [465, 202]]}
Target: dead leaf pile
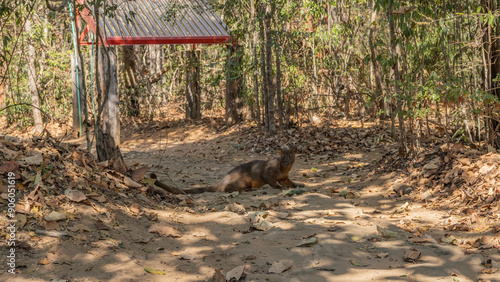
{"points": [[329, 138], [51, 176], [462, 180]]}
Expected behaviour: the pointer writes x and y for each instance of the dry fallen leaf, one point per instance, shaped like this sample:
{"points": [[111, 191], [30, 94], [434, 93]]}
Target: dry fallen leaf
{"points": [[138, 174], [82, 227], [382, 255], [164, 230], [154, 271], [426, 239], [308, 242], [187, 255], [99, 198], [131, 183], [100, 225], [51, 225], [44, 261], [33, 160], [152, 216], [386, 233], [21, 220], [401, 209], [236, 207], [135, 208], [9, 166], [74, 195], [412, 255], [278, 267], [235, 273], [55, 216]]}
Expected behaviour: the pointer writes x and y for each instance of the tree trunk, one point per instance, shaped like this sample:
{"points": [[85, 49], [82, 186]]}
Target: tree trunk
{"points": [[347, 102], [105, 62], [111, 112], [83, 88], [279, 98], [265, 81], [37, 114], [80, 114], [3, 90], [107, 133], [234, 85], [130, 80], [255, 62], [396, 55], [491, 58], [269, 70], [193, 92], [377, 71]]}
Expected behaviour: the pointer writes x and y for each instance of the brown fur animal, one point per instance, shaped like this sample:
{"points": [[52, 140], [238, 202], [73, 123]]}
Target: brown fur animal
{"points": [[250, 175]]}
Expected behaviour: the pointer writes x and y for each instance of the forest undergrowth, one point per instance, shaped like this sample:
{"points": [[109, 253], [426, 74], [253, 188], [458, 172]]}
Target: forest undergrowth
{"points": [[59, 181]]}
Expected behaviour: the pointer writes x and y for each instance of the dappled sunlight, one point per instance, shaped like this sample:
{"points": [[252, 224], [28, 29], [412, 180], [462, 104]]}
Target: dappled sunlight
{"points": [[346, 242]]}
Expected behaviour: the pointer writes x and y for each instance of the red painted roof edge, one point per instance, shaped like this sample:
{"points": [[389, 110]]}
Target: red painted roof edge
{"points": [[118, 40]]}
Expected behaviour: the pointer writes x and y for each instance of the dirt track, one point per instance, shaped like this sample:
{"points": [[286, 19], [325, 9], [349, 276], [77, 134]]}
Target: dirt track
{"points": [[348, 247]]}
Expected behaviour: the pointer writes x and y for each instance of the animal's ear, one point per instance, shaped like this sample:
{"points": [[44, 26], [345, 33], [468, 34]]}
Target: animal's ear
{"points": [[280, 151], [293, 150]]}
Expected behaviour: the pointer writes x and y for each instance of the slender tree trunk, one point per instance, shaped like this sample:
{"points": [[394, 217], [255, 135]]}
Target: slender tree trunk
{"points": [[3, 88], [129, 72], [278, 88], [396, 55], [193, 92], [269, 69], [37, 114], [491, 61], [83, 89], [234, 85], [255, 63], [265, 84], [377, 72]]}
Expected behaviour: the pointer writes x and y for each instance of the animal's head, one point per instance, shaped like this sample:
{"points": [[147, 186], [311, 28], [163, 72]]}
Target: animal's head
{"points": [[287, 156]]}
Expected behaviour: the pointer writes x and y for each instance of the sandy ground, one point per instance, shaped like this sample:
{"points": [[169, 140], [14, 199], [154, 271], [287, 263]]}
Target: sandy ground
{"points": [[348, 248]]}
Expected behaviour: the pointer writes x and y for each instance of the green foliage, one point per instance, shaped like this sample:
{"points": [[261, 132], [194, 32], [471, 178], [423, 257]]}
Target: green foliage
{"points": [[53, 80], [323, 47]]}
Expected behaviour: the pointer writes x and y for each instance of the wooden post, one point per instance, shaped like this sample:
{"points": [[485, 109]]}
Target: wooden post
{"points": [[193, 92], [234, 85], [109, 79]]}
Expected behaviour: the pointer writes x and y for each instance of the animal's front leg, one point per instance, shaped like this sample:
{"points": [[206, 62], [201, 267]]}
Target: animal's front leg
{"points": [[273, 183], [289, 183]]}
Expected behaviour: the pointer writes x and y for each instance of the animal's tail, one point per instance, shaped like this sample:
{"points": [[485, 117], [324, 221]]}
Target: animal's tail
{"points": [[174, 190], [200, 190]]}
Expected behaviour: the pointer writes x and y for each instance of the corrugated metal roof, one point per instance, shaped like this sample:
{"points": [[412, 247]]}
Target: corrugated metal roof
{"points": [[136, 22]]}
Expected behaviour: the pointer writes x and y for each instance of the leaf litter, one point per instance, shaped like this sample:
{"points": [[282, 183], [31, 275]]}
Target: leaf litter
{"points": [[463, 182]]}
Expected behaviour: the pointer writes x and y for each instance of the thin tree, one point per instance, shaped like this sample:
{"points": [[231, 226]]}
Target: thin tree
{"points": [[37, 115]]}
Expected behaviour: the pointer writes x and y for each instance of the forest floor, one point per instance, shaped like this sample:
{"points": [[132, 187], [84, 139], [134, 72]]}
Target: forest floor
{"points": [[358, 220]]}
